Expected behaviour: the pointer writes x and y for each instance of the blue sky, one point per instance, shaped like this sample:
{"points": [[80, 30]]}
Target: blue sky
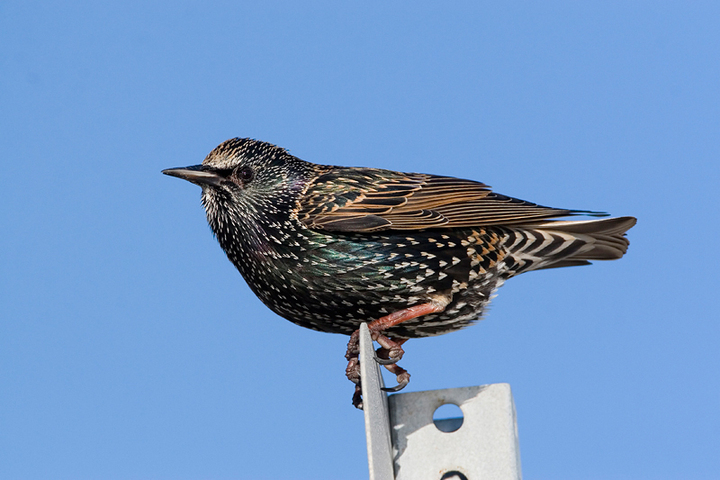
{"points": [[131, 348]]}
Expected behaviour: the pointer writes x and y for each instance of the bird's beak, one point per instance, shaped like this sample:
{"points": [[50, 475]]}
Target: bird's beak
{"points": [[197, 174]]}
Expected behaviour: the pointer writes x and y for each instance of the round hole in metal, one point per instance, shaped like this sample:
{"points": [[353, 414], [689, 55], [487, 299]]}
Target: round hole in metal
{"points": [[448, 417], [453, 475]]}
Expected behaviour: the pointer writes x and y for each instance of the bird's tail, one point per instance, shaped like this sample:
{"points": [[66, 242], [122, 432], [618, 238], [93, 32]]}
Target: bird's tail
{"points": [[555, 244]]}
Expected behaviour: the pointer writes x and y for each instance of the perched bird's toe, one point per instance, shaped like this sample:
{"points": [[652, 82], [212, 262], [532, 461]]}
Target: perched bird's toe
{"points": [[403, 380], [352, 371], [357, 398], [385, 361]]}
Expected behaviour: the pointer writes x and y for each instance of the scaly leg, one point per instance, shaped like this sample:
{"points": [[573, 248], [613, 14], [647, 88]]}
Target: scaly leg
{"points": [[390, 351]]}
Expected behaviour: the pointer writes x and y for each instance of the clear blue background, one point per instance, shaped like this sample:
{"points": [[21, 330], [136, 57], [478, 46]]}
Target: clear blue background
{"points": [[130, 348]]}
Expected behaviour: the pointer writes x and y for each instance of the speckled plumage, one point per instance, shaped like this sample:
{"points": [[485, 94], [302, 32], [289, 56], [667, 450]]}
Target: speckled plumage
{"points": [[330, 247]]}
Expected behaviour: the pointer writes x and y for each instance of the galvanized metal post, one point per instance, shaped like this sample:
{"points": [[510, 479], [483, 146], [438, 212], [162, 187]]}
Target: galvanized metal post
{"points": [[404, 442], [375, 408]]}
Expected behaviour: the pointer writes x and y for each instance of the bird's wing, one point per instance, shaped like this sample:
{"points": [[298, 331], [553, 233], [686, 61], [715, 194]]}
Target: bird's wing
{"points": [[370, 200]]}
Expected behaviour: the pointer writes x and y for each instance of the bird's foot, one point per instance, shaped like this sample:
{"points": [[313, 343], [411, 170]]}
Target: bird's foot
{"points": [[388, 357], [389, 353]]}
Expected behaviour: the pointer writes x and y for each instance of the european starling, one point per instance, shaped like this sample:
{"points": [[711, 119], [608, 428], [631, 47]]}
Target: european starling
{"points": [[413, 254]]}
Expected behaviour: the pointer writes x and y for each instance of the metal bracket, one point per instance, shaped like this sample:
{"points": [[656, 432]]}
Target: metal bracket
{"points": [[404, 442]]}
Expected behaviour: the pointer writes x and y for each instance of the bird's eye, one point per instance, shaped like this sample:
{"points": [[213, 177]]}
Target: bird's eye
{"points": [[245, 175]]}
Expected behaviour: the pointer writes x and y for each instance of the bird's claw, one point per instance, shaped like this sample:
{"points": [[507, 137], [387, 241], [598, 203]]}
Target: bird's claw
{"points": [[385, 361], [357, 398], [397, 387], [402, 376], [383, 357]]}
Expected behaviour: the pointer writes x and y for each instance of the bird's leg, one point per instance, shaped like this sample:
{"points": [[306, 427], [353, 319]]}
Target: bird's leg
{"points": [[391, 351]]}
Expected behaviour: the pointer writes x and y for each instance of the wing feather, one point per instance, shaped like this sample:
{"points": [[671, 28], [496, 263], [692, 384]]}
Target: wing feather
{"points": [[370, 200]]}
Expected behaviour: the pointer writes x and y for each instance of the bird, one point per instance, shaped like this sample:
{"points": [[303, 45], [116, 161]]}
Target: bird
{"points": [[411, 254]]}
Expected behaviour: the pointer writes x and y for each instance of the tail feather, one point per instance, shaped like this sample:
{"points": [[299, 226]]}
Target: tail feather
{"points": [[556, 244]]}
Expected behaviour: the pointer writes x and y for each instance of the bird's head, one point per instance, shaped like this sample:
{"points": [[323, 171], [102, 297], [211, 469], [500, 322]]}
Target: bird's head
{"points": [[247, 183]]}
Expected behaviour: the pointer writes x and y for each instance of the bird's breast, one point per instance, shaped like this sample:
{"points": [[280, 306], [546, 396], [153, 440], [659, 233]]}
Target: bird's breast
{"points": [[333, 282]]}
